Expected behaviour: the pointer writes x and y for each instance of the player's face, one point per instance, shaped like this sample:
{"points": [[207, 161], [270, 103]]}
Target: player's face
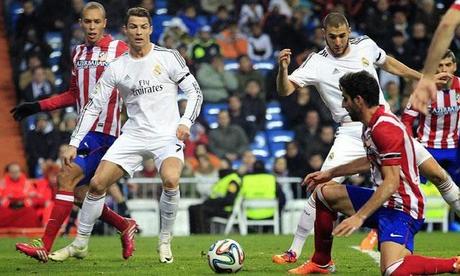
{"points": [[138, 30], [337, 39], [350, 106], [447, 65], [93, 24]]}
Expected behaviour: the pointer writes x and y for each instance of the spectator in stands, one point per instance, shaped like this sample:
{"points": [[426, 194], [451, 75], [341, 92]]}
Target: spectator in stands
{"points": [[295, 106], [280, 170], [17, 199], [296, 163], [326, 141], [379, 22], [294, 35], [29, 44], [237, 115], [219, 203], [284, 7], [177, 32], [136, 190], [205, 174], [205, 47], [254, 108], [428, 14], [399, 48], [202, 150], [34, 61], [39, 88], [46, 188], [273, 24], [400, 22], [227, 140], [41, 144], [251, 12], [259, 184], [215, 82], [308, 131], [247, 72], [189, 17], [27, 20], [247, 162], [67, 126], [146, 4], [419, 45], [391, 93], [222, 18], [317, 39], [260, 45], [183, 50], [232, 42]]}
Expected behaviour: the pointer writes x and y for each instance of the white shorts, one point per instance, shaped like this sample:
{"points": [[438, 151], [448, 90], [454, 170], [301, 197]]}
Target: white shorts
{"points": [[348, 146], [129, 152]]}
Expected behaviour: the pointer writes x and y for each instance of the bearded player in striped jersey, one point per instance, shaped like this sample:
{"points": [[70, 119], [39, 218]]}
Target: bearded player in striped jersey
{"points": [[395, 207], [89, 62], [148, 78], [323, 70], [438, 130]]}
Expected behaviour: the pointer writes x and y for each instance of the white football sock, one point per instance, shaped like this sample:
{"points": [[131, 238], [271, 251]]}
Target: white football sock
{"points": [[169, 203], [90, 211], [305, 226]]}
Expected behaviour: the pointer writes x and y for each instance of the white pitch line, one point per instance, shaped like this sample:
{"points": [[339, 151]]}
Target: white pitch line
{"points": [[375, 255]]}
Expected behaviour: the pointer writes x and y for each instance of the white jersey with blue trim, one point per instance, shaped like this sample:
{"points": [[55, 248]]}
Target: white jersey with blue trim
{"points": [[149, 88], [323, 71]]}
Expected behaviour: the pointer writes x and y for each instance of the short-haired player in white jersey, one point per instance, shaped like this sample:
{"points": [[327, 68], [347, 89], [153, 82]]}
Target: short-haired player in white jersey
{"points": [[323, 70], [148, 78]]}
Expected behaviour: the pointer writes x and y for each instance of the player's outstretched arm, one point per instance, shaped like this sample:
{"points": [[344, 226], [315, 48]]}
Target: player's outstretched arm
{"points": [[284, 86], [442, 38], [398, 68]]}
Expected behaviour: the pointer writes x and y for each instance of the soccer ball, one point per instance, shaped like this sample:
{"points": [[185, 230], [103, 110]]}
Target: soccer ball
{"points": [[226, 256]]}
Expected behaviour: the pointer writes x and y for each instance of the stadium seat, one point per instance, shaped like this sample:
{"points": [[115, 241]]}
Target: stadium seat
{"points": [[290, 215], [231, 65], [146, 212], [260, 204], [277, 140], [260, 146], [274, 121], [14, 10], [234, 218], [54, 39], [210, 112], [264, 67], [273, 107], [160, 22], [436, 209]]}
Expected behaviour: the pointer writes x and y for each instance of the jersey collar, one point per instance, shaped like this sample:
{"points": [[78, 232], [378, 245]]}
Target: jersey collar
{"points": [[104, 41], [376, 115]]}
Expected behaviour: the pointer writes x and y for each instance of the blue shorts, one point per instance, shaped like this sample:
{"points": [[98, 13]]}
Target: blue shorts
{"points": [[448, 159], [392, 225], [90, 152]]}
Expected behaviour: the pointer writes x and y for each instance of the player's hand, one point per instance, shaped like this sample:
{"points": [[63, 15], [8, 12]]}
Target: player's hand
{"points": [[442, 78], [314, 179], [284, 59], [25, 109], [348, 226], [182, 132], [425, 89], [70, 152]]}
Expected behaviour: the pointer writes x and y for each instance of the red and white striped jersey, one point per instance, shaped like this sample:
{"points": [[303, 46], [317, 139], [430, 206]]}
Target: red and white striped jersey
{"points": [[438, 129], [89, 62], [387, 143], [456, 5]]}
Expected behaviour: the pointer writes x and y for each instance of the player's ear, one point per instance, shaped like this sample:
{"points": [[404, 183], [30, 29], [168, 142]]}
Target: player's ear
{"points": [[105, 22], [151, 29]]}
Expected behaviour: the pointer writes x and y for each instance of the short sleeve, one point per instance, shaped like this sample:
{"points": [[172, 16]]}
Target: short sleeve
{"points": [[379, 55], [306, 73], [177, 68], [389, 140]]}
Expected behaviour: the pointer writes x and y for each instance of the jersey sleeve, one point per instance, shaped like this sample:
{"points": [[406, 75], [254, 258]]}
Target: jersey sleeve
{"points": [[456, 5], [177, 68], [192, 89], [408, 117], [98, 99], [306, 73], [389, 140], [378, 54]]}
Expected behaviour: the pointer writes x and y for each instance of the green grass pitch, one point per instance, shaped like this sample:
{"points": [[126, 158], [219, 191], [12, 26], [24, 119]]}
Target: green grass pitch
{"points": [[105, 256]]}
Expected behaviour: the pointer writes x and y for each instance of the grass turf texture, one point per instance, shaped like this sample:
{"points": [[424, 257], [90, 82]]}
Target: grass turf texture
{"points": [[105, 256]]}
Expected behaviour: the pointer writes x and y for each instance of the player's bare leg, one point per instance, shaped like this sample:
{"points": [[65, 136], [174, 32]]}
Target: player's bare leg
{"points": [[170, 171], [431, 169]]}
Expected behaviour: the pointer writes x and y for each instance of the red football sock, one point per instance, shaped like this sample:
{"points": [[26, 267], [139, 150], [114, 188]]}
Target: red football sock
{"points": [[420, 265], [114, 219], [61, 210], [324, 225]]}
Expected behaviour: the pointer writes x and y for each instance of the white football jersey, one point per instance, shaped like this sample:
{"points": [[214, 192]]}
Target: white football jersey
{"points": [[149, 88], [323, 71]]}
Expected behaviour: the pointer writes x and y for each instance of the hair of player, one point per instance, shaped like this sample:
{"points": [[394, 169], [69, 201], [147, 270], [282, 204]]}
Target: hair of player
{"points": [[92, 6], [139, 12], [451, 55], [361, 84], [335, 19]]}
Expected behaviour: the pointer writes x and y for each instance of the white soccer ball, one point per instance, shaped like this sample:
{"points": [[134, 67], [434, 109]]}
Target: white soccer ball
{"points": [[226, 256]]}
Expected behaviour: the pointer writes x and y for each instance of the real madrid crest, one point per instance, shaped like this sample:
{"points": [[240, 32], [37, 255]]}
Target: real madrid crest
{"points": [[365, 61], [331, 155], [157, 69]]}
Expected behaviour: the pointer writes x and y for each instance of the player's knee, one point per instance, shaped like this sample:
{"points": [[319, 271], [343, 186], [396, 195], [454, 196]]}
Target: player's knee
{"points": [[171, 182], [65, 181], [97, 185]]}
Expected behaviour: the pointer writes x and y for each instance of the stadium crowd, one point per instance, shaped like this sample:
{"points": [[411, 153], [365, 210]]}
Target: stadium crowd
{"points": [[230, 46]]}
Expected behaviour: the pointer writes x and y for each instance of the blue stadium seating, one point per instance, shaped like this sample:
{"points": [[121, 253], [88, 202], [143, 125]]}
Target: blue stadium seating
{"points": [[210, 112], [260, 146], [159, 22], [277, 140]]}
